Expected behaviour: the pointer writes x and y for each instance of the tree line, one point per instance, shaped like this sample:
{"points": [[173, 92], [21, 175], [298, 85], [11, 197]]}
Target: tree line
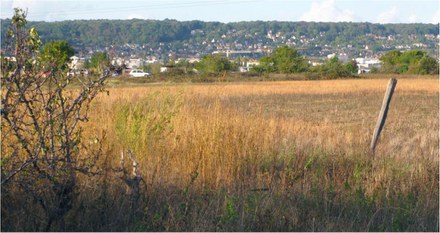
{"points": [[102, 33], [284, 59], [288, 60]]}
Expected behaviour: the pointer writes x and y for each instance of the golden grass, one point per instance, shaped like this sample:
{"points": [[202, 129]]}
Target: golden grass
{"points": [[283, 87], [268, 156], [334, 108], [287, 137]]}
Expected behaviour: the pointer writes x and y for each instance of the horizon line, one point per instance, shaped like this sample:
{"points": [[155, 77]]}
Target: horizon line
{"points": [[209, 21]]}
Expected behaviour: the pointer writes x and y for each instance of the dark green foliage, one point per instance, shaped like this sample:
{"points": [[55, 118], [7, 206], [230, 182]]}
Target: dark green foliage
{"points": [[409, 62], [266, 66], [390, 61], [283, 60], [288, 60], [56, 54], [333, 69], [99, 60], [215, 64], [352, 67], [428, 65], [101, 33]]}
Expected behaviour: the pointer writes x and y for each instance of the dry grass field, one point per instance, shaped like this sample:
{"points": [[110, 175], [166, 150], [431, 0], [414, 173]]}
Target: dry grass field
{"points": [[266, 156], [280, 155]]}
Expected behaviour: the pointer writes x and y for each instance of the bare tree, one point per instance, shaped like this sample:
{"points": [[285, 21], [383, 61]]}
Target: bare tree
{"points": [[42, 148]]}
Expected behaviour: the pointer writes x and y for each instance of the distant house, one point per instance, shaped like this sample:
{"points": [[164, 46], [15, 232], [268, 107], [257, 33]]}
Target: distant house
{"points": [[163, 69], [243, 69], [118, 61], [330, 56], [76, 66], [252, 63], [167, 68], [193, 60], [152, 60], [76, 62], [249, 65], [135, 63], [78, 72], [366, 64]]}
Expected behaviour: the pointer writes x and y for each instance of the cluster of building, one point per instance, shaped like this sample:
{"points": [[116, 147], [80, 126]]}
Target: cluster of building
{"points": [[365, 64], [235, 45], [77, 64]]}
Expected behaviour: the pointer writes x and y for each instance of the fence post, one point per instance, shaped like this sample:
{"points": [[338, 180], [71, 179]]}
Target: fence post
{"points": [[383, 112]]}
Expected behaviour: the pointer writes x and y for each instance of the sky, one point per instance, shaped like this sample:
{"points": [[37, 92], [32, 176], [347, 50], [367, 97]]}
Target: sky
{"points": [[374, 11]]}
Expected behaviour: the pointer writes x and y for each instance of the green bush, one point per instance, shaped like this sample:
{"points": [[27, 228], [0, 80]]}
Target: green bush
{"points": [[334, 69], [409, 62]]}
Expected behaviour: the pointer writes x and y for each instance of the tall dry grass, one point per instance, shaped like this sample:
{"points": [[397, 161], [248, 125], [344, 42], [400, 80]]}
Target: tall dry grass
{"points": [[266, 156]]}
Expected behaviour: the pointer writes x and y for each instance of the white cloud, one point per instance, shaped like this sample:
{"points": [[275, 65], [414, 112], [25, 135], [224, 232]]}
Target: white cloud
{"points": [[136, 16], [24, 3], [389, 16], [436, 17], [327, 11], [41, 9], [412, 18]]}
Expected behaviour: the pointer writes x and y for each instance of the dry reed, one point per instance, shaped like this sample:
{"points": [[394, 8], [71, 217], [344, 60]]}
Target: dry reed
{"points": [[266, 156]]}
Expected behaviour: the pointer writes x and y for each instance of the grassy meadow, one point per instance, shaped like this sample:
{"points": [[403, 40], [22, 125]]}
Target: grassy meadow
{"points": [[264, 156]]}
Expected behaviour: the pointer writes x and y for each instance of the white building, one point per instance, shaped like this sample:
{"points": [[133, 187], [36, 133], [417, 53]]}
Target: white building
{"points": [[76, 62], [193, 60], [152, 60], [330, 56], [163, 69], [135, 63], [366, 64], [118, 61], [249, 66]]}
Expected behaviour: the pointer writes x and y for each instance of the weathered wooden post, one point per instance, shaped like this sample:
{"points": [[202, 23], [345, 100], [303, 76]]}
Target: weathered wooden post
{"points": [[383, 113]]}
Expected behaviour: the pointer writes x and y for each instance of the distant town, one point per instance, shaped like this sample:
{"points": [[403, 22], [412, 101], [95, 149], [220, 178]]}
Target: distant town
{"points": [[139, 43]]}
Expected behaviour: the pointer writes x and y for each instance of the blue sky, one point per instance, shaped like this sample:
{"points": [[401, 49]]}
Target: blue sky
{"points": [[375, 11]]}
